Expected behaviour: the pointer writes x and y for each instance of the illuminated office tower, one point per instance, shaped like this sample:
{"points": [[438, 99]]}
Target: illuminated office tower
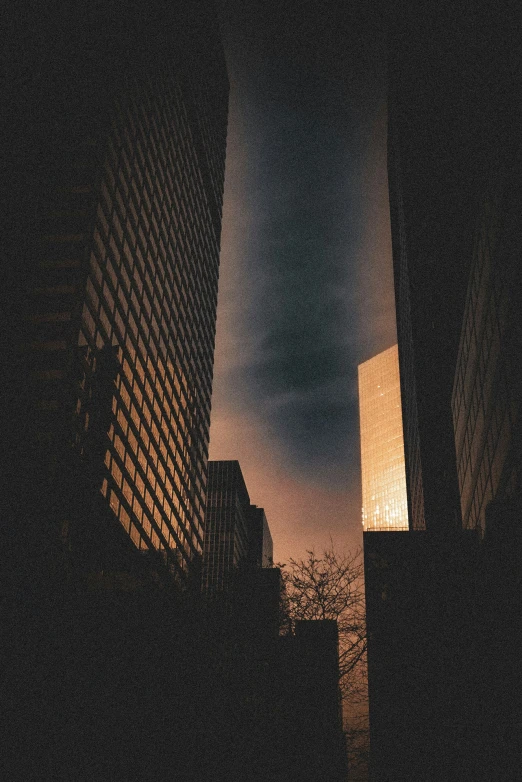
{"points": [[112, 188], [384, 498]]}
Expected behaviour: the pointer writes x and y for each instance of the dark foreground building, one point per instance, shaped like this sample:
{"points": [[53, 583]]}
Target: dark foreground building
{"points": [[113, 160], [454, 113], [422, 656], [273, 709], [433, 164], [310, 713], [443, 600], [444, 672], [113, 666]]}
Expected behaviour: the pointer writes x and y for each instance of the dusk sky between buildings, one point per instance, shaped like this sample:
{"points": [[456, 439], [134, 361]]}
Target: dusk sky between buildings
{"points": [[306, 286]]}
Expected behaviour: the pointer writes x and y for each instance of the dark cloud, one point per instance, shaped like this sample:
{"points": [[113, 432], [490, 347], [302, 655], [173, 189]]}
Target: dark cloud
{"points": [[307, 84], [324, 435]]}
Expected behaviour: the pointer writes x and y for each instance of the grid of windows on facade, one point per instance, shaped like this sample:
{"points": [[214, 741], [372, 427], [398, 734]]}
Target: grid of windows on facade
{"points": [[487, 391], [382, 447], [152, 292], [226, 525], [117, 236]]}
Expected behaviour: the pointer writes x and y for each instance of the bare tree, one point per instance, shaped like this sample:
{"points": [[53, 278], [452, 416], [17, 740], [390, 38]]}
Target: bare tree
{"points": [[331, 587]]}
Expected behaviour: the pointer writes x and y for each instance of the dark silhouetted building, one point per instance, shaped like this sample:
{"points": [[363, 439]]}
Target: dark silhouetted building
{"points": [[111, 186], [487, 398], [310, 714], [272, 704], [112, 181], [443, 605], [260, 545], [443, 106], [237, 533], [487, 393], [226, 540], [272, 707], [422, 660]]}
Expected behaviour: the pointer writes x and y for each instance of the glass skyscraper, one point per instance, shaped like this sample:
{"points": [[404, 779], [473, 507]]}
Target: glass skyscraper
{"points": [[113, 188], [385, 505]]}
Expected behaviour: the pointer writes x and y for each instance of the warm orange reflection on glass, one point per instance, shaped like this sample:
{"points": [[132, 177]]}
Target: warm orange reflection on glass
{"points": [[385, 505], [150, 295]]}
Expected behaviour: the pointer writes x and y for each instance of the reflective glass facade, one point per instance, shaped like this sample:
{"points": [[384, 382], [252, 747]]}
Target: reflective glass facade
{"points": [[119, 239], [382, 444]]}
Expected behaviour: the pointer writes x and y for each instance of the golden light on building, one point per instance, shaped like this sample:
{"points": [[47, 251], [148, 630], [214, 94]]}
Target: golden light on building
{"points": [[385, 505]]}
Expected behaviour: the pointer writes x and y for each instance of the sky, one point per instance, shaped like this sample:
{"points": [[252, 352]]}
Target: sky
{"points": [[306, 286]]}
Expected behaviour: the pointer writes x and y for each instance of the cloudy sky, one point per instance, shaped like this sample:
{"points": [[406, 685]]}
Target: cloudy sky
{"points": [[306, 289]]}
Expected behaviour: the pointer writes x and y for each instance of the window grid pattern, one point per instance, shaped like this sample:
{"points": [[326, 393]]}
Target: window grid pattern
{"points": [[152, 292], [226, 539], [385, 505], [486, 398]]}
